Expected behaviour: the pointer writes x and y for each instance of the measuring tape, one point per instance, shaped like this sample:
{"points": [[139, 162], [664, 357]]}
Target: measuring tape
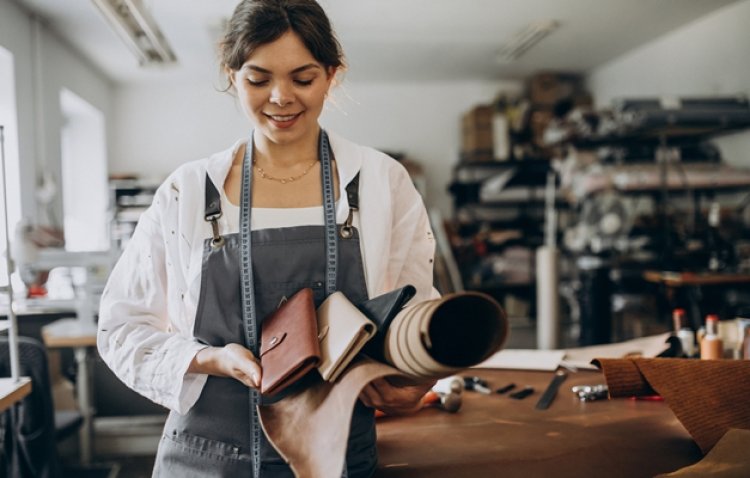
{"points": [[332, 250], [248, 296], [248, 287]]}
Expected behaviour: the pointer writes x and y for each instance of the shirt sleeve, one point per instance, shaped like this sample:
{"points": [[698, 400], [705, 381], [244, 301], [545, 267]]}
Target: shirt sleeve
{"points": [[412, 241], [135, 337]]}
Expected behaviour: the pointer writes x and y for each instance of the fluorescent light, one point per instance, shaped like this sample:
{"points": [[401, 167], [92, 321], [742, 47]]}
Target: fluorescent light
{"points": [[135, 26], [523, 40]]}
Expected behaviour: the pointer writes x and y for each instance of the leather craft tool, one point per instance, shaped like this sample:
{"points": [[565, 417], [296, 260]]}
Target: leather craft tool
{"points": [[506, 388], [523, 393], [546, 399]]}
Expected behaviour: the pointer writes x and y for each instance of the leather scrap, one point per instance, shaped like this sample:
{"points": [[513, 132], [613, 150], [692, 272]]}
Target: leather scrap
{"points": [[708, 397], [310, 428]]}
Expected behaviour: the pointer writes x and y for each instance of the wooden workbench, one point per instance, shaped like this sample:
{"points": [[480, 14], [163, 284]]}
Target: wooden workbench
{"points": [[496, 436]]}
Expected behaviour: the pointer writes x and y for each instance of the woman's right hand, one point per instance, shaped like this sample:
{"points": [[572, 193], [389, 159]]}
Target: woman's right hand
{"points": [[231, 360]]}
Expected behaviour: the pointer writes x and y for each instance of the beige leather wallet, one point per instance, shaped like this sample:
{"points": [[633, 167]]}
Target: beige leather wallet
{"points": [[342, 332]]}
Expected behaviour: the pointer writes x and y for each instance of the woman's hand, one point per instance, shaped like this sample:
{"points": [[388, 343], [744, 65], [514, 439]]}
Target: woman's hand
{"points": [[232, 360], [395, 397]]}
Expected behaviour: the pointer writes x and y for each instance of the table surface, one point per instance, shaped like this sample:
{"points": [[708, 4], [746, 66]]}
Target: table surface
{"points": [[678, 279], [69, 333], [494, 435], [12, 391], [41, 306]]}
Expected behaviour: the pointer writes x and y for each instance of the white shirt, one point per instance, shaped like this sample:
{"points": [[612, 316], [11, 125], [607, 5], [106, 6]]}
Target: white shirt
{"points": [[148, 307]]}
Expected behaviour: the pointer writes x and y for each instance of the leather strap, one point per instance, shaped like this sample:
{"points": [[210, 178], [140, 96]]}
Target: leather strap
{"points": [[213, 211], [352, 196], [352, 193], [213, 201]]}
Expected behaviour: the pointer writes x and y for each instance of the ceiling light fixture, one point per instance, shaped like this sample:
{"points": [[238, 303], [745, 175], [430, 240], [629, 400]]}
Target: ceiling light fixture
{"points": [[135, 26], [523, 40]]}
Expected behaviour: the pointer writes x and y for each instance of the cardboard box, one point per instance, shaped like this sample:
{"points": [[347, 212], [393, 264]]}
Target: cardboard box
{"points": [[476, 130], [478, 117], [477, 140]]}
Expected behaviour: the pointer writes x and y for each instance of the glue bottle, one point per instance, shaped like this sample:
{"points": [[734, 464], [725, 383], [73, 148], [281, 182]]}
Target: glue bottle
{"points": [[711, 345], [683, 332]]}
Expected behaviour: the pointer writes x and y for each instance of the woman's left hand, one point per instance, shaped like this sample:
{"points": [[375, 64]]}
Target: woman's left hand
{"points": [[395, 399]]}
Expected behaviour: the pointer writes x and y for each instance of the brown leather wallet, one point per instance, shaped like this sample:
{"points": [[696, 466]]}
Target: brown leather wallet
{"points": [[289, 343]]}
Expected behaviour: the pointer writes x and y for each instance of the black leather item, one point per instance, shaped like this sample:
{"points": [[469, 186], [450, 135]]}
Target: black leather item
{"points": [[213, 201], [382, 310]]}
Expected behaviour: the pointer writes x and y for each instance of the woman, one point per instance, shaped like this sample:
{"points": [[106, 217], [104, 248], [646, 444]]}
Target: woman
{"points": [[173, 315]]}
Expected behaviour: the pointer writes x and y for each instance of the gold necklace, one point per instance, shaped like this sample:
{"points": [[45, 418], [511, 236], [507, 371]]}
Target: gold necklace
{"points": [[265, 175]]}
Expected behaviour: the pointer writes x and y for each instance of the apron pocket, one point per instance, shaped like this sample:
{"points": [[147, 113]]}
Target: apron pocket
{"points": [[188, 456]]}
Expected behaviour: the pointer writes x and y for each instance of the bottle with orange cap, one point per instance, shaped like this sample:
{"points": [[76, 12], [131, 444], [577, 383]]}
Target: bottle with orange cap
{"points": [[711, 345]]}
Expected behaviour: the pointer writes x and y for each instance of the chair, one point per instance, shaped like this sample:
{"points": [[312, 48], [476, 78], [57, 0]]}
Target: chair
{"points": [[29, 432]]}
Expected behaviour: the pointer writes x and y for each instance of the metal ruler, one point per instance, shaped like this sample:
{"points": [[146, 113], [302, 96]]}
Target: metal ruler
{"points": [[546, 399]]}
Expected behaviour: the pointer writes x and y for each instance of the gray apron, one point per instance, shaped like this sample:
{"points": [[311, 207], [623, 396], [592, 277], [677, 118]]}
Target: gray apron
{"points": [[215, 437]]}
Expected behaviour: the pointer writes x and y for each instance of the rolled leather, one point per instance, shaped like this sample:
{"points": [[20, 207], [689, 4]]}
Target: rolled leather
{"points": [[441, 337]]}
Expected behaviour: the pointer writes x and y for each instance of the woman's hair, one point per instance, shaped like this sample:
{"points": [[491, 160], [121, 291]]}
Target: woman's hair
{"points": [[258, 22]]}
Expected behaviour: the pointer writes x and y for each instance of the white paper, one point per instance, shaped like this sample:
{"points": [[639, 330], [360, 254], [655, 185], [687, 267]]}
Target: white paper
{"points": [[647, 347], [523, 359], [577, 358]]}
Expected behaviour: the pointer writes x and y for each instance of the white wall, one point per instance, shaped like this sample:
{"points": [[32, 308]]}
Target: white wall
{"points": [[710, 56], [161, 126], [39, 80]]}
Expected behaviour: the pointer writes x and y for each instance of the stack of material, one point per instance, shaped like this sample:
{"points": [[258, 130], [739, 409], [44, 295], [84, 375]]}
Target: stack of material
{"points": [[476, 134]]}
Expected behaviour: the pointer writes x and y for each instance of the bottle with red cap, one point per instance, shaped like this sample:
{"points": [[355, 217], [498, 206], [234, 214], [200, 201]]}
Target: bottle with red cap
{"points": [[683, 332], [711, 345]]}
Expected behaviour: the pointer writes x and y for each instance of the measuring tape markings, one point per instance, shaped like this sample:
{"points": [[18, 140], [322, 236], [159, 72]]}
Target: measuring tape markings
{"points": [[248, 286]]}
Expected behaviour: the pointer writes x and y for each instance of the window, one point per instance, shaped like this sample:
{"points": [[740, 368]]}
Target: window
{"points": [[84, 175], [9, 121]]}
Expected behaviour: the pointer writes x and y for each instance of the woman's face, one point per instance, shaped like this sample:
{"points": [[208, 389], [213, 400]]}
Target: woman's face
{"points": [[282, 89]]}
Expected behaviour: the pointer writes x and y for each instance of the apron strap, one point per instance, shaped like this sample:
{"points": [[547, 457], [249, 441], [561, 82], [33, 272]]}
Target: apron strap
{"points": [[213, 211], [352, 196]]}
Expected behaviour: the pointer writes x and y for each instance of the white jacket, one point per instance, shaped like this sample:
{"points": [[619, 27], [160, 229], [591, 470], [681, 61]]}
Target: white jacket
{"points": [[149, 305]]}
